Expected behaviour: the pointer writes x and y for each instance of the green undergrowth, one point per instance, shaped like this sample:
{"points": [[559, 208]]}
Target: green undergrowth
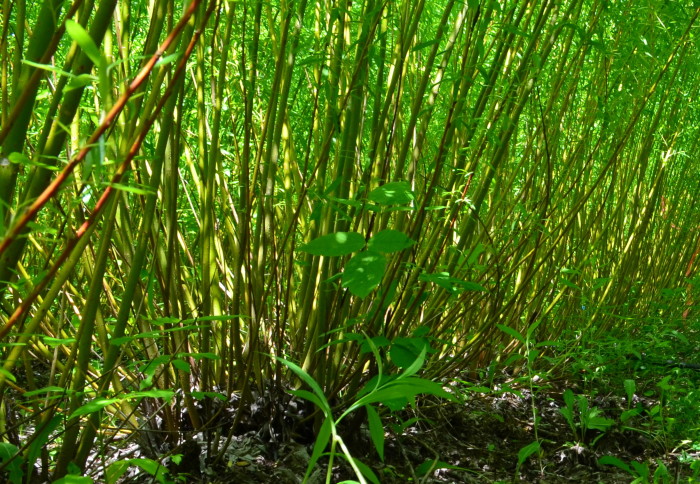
{"points": [[643, 382]]}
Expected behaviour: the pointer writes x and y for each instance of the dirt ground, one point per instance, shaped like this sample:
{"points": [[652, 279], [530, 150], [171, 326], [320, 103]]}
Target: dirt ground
{"points": [[475, 441]]}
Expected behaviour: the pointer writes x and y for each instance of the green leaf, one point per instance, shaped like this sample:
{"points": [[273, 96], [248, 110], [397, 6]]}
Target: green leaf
{"points": [[116, 470], [324, 435], [569, 399], [168, 59], [378, 341], [609, 460], [164, 394], [401, 389], [393, 193], [80, 81], [417, 363], [388, 241], [8, 375], [50, 389], [511, 332], [527, 451], [366, 471], [149, 465], [136, 190], [452, 284], [642, 470], [94, 406], [49, 341], [405, 351], [364, 272], [333, 245], [10, 454], [182, 365], [423, 45], [324, 406], [376, 430], [363, 468], [307, 395], [201, 395], [628, 414], [82, 38], [73, 479]]}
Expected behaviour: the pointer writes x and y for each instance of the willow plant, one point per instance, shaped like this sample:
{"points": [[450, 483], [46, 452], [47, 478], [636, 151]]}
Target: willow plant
{"points": [[189, 188]]}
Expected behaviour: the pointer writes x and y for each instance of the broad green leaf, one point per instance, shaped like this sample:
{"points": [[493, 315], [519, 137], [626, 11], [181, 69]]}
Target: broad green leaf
{"points": [[407, 387], [73, 479], [388, 241], [8, 375], [334, 245], [421, 386], [569, 399], [533, 327], [82, 38], [307, 395], [94, 406], [149, 465], [527, 451], [322, 439], [382, 395], [366, 471], [79, 81], [10, 455], [48, 340], [609, 460], [182, 365], [364, 272], [416, 365], [116, 470], [396, 404], [641, 469], [201, 395], [376, 430], [345, 339], [423, 45], [570, 284], [393, 193], [511, 332], [19, 158], [306, 378], [168, 59], [378, 341], [631, 413], [405, 351]]}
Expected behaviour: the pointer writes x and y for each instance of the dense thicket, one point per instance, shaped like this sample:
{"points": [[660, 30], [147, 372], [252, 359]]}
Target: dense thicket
{"points": [[188, 188]]}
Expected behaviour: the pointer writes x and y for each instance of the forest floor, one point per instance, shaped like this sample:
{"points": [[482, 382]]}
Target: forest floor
{"points": [[482, 438]]}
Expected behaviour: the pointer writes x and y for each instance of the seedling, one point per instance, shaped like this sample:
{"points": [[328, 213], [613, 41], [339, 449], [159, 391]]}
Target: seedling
{"points": [[585, 419]]}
